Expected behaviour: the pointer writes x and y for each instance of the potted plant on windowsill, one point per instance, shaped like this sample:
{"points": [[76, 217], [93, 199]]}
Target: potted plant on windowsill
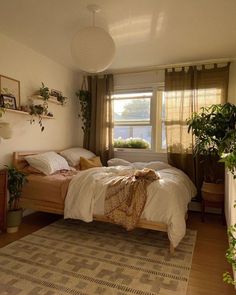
{"points": [[134, 143], [16, 180], [212, 128]]}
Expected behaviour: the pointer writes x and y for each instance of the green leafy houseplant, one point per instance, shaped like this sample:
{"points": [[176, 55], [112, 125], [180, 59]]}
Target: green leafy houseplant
{"points": [[44, 92], [135, 143], [231, 254], [229, 158], [228, 155], [16, 181], [85, 104], [230, 162], [215, 133], [60, 98], [213, 128]]}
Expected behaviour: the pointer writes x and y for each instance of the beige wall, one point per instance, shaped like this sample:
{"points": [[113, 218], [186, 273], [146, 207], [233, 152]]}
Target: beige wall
{"points": [[232, 83], [28, 66]]}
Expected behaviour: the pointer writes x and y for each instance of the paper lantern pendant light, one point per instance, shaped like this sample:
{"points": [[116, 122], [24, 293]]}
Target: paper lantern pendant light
{"points": [[92, 48]]}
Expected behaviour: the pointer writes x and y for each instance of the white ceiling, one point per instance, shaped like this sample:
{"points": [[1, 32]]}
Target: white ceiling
{"points": [[146, 32]]}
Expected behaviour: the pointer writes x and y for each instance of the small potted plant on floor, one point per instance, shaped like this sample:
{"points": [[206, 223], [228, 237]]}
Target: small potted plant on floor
{"points": [[212, 128], [16, 180]]}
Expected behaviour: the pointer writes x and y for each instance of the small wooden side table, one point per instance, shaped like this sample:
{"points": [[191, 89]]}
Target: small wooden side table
{"points": [[3, 199]]}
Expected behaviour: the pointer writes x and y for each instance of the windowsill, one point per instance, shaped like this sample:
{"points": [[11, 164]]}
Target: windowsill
{"points": [[140, 155], [148, 151]]}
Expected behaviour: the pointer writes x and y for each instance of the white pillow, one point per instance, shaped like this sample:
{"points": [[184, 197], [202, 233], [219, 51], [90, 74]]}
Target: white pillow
{"points": [[73, 155], [118, 162], [48, 162]]}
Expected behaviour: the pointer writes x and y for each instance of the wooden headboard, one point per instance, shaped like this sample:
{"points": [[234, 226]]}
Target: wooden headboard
{"points": [[19, 161]]}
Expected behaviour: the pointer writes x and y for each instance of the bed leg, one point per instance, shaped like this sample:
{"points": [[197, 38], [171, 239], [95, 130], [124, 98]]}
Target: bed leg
{"points": [[172, 249]]}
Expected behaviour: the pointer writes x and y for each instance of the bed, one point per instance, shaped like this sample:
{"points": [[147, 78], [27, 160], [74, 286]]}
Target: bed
{"points": [[51, 193]]}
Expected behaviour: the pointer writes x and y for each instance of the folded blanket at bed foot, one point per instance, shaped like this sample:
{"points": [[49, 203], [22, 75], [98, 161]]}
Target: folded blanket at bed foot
{"points": [[126, 197]]}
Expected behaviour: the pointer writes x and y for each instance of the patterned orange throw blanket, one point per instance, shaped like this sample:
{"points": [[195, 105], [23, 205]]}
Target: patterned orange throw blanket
{"points": [[126, 197]]}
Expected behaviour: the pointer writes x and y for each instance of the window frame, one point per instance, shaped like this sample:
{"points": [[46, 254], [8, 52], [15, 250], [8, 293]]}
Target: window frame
{"points": [[155, 117]]}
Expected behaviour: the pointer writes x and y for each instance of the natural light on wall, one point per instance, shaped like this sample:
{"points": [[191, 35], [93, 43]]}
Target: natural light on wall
{"points": [[147, 115], [179, 106]]}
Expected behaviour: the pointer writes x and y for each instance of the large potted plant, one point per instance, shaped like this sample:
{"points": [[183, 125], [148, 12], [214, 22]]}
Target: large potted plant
{"points": [[212, 128], [16, 180], [229, 159]]}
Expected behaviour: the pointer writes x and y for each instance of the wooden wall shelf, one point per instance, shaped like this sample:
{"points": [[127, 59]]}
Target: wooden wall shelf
{"points": [[25, 113], [51, 99], [16, 111]]}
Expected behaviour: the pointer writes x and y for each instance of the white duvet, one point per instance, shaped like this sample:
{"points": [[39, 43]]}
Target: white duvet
{"points": [[167, 200]]}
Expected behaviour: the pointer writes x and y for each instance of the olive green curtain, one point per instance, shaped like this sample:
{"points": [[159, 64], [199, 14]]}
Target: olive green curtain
{"points": [[187, 89], [100, 136]]}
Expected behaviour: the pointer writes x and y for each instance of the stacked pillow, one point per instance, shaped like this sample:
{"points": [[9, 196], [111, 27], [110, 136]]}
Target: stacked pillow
{"points": [[73, 155], [82, 159], [51, 162]]}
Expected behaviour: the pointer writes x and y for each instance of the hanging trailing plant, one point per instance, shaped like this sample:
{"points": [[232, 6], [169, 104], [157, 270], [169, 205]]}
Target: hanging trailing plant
{"points": [[85, 104], [85, 107], [38, 111]]}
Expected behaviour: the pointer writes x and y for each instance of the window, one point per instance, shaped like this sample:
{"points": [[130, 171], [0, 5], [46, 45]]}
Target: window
{"points": [[179, 106], [138, 114]]}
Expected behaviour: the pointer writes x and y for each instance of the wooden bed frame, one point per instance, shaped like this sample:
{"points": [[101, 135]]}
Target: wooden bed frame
{"points": [[19, 162]]}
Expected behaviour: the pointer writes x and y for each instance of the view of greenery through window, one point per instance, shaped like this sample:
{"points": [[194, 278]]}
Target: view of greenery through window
{"points": [[132, 116]]}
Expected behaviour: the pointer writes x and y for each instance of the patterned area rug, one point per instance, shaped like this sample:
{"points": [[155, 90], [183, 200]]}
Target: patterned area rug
{"points": [[86, 259]]}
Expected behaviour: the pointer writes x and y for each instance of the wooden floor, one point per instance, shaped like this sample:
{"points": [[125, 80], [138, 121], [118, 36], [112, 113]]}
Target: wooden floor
{"points": [[208, 260]]}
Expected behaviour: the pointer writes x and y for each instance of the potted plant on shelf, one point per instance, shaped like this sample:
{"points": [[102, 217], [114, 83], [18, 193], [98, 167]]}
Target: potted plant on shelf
{"points": [[212, 128], [44, 92], [60, 98], [16, 180]]}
